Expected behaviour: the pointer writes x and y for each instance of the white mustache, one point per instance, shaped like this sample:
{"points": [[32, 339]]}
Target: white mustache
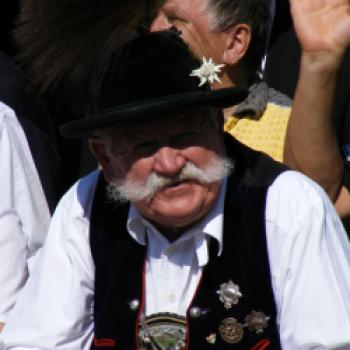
{"points": [[134, 191]]}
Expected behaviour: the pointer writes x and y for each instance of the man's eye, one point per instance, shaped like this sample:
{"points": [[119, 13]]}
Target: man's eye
{"points": [[174, 18], [171, 18]]}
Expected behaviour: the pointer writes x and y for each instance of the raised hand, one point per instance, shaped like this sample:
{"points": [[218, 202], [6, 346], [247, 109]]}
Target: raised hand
{"points": [[322, 25]]}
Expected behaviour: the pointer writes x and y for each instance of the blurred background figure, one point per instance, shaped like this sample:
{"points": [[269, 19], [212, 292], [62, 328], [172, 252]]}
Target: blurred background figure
{"points": [[235, 34], [29, 168], [321, 136], [59, 41], [29, 176]]}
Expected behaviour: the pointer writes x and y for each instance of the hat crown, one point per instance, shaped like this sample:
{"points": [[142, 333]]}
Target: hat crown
{"points": [[152, 66], [150, 76]]}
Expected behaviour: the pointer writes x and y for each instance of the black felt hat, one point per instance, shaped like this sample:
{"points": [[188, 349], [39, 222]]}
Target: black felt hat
{"points": [[151, 78]]}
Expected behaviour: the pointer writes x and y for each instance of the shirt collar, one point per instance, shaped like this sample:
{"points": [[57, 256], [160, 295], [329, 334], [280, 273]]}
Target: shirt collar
{"points": [[210, 227]]}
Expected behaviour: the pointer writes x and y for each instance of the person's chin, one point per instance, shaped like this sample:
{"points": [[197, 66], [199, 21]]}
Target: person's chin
{"points": [[178, 204]]}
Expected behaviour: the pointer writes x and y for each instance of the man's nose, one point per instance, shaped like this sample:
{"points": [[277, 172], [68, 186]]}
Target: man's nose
{"points": [[160, 23], [168, 161]]}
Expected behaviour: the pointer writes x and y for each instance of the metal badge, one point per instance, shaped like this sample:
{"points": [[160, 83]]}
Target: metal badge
{"points": [[162, 331], [229, 294], [231, 331], [257, 321]]}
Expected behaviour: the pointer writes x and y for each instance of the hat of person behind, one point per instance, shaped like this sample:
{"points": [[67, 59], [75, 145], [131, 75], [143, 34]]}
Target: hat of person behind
{"points": [[153, 75]]}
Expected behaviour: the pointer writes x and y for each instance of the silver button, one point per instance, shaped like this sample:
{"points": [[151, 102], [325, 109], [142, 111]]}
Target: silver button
{"points": [[195, 312], [171, 298], [134, 304]]}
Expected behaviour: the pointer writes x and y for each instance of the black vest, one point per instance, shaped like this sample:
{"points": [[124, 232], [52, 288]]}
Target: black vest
{"points": [[119, 263]]}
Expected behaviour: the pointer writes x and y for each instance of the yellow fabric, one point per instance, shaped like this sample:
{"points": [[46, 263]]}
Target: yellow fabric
{"points": [[266, 134]]}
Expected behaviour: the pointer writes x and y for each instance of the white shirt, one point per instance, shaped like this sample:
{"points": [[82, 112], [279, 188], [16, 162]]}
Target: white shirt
{"points": [[177, 265], [309, 255], [24, 213]]}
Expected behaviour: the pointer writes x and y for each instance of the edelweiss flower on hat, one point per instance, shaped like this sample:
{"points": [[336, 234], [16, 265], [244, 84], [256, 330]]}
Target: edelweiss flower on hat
{"points": [[207, 72]]}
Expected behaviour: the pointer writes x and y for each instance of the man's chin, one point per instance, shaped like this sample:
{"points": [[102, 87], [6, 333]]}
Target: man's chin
{"points": [[180, 205], [176, 206]]}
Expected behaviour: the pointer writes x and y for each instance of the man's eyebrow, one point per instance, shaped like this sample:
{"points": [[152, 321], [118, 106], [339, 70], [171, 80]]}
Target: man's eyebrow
{"points": [[171, 9]]}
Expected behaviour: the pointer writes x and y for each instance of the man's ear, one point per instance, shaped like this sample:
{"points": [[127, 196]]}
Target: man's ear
{"points": [[98, 148], [238, 39]]}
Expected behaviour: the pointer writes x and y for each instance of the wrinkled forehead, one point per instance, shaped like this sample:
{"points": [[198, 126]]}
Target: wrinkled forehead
{"points": [[184, 7]]}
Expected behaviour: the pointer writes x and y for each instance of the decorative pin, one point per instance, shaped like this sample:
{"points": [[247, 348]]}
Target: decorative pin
{"points": [[195, 312], [207, 72], [134, 304], [257, 321], [229, 294], [211, 339], [231, 331]]}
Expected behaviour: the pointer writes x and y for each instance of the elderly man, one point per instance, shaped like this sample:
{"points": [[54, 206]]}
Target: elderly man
{"points": [[234, 33], [186, 239]]}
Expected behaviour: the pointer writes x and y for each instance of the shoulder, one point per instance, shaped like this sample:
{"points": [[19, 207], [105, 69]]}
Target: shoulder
{"points": [[8, 118], [11, 130], [278, 110], [14, 150], [302, 227], [70, 224], [76, 202], [293, 200], [295, 185], [279, 99]]}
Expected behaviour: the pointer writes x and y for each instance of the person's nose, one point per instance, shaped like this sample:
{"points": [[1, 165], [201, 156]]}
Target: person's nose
{"points": [[168, 161], [160, 23]]}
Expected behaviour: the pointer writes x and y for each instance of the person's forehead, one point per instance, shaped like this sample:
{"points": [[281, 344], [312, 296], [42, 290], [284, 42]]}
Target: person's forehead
{"points": [[184, 7]]}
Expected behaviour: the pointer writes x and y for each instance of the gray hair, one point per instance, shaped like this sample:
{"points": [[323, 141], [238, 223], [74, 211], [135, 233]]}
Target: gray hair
{"points": [[255, 13]]}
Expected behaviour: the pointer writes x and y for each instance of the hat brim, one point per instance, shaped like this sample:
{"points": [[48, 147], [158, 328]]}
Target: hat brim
{"points": [[147, 110]]}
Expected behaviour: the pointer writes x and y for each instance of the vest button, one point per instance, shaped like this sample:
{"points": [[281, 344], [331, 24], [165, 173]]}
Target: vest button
{"points": [[195, 312], [134, 304]]}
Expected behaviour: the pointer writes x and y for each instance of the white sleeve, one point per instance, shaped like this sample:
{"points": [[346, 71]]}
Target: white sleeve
{"points": [[13, 241], [24, 213], [309, 256], [55, 309], [13, 259]]}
